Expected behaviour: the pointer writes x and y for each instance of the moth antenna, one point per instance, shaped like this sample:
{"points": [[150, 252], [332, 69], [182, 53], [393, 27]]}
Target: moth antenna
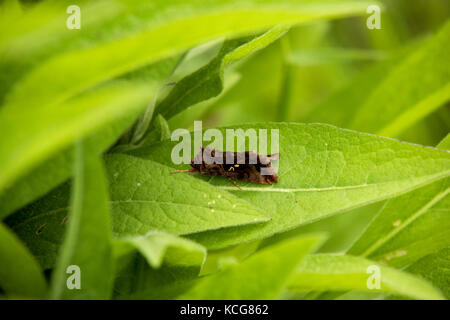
{"points": [[187, 170]]}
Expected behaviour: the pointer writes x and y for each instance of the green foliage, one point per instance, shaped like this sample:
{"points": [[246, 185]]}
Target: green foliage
{"points": [[434, 268], [88, 223], [21, 275], [257, 277], [340, 273], [323, 170], [85, 152]]}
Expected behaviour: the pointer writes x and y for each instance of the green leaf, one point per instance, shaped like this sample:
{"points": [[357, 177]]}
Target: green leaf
{"points": [[235, 253], [20, 274], [401, 100], [340, 272], [445, 143], [58, 169], [144, 196], [434, 268], [63, 78], [207, 82], [87, 243], [58, 126], [332, 55], [159, 132], [256, 277], [185, 205], [409, 227], [323, 170], [164, 267], [157, 247], [164, 38], [351, 96]]}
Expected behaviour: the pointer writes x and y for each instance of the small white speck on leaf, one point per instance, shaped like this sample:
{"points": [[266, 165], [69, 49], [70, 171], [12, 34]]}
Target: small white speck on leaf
{"points": [[396, 223]]}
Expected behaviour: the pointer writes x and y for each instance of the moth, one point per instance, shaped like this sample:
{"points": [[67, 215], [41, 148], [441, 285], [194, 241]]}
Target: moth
{"points": [[246, 166]]}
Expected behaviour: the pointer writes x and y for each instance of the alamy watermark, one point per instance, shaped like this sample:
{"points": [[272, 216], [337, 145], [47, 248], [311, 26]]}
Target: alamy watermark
{"points": [[374, 280], [374, 20], [235, 139], [74, 20], [74, 280]]}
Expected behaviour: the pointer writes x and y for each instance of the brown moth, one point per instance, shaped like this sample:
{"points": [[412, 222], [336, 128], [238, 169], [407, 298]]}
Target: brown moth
{"points": [[245, 166]]}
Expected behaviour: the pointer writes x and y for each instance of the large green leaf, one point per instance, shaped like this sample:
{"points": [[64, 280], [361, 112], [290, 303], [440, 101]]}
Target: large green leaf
{"points": [[145, 196], [256, 277], [87, 243], [323, 170], [63, 78], [340, 272], [20, 274]]}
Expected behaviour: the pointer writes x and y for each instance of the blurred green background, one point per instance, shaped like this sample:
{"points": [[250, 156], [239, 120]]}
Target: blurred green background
{"points": [[305, 71]]}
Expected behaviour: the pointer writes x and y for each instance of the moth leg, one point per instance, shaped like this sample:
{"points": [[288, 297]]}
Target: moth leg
{"points": [[187, 170], [234, 182]]}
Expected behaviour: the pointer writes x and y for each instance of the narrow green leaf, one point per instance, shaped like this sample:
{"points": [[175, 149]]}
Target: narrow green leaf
{"points": [[20, 274], [256, 277], [159, 132], [207, 82], [352, 95], [340, 272], [332, 55], [37, 133], [405, 96], [163, 39], [58, 169], [323, 170], [87, 243]]}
